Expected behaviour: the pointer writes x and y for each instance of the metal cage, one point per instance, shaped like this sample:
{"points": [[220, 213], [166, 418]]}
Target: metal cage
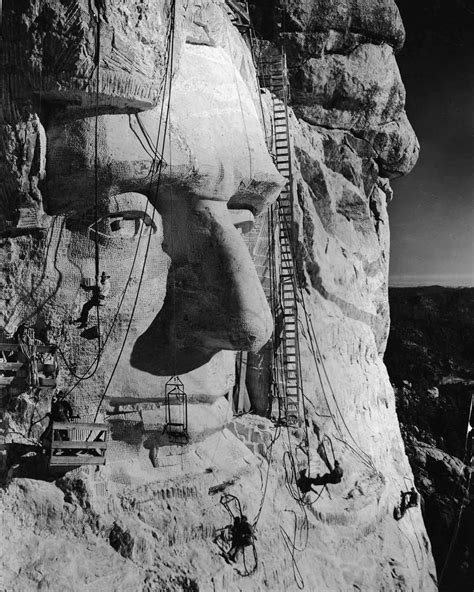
{"points": [[176, 408]]}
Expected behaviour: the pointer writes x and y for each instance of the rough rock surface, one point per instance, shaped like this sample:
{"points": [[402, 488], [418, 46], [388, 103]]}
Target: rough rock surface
{"points": [[149, 518], [344, 74]]}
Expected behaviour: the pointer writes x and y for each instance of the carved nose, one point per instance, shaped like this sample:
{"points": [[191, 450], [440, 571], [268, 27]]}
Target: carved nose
{"points": [[226, 307]]}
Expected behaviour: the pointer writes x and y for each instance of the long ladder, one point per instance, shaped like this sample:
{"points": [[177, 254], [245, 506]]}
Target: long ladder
{"points": [[273, 76]]}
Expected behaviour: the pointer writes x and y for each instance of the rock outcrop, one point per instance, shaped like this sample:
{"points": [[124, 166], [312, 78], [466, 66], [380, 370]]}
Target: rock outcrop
{"points": [[429, 359], [170, 190]]}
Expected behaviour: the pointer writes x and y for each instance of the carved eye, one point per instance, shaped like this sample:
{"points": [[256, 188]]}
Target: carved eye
{"points": [[124, 217], [123, 225]]}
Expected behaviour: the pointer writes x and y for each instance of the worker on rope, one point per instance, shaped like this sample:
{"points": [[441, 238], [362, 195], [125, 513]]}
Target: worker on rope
{"points": [[99, 293], [334, 476], [242, 536], [408, 499]]}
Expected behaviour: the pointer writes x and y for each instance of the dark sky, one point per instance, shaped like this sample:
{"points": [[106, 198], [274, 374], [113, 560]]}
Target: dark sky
{"points": [[432, 214]]}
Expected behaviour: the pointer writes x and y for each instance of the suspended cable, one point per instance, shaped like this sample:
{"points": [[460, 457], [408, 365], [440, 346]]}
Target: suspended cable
{"points": [[462, 506], [96, 184], [169, 73], [318, 359], [86, 375]]}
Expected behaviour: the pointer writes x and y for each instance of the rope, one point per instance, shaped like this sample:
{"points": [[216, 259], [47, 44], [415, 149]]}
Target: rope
{"points": [[169, 72], [173, 275], [462, 506], [96, 361], [96, 151], [318, 359], [96, 185], [270, 458]]}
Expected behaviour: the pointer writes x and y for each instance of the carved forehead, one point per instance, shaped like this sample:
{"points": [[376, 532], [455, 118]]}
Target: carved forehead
{"points": [[50, 51]]}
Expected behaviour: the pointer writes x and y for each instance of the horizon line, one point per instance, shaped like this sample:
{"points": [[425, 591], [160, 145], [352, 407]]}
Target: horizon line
{"points": [[445, 281]]}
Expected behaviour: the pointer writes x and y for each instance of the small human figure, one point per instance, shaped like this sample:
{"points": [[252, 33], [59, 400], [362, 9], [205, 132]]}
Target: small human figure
{"points": [[242, 536], [334, 476], [61, 411], [99, 293], [408, 499], [104, 286]]}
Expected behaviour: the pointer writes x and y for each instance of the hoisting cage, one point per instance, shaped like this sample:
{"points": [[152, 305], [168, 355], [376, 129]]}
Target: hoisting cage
{"points": [[176, 408]]}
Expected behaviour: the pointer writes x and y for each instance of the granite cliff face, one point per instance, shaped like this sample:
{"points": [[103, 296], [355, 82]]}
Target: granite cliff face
{"points": [[148, 519]]}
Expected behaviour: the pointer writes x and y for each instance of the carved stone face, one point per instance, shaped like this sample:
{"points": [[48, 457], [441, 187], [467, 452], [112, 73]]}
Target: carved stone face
{"points": [[214, 158]]}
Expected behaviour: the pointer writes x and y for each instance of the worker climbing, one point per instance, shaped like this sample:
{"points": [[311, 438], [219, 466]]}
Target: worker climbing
{"points": [[100, 292], [408, 499], [242, 536], [334, 476], [235, 538]]}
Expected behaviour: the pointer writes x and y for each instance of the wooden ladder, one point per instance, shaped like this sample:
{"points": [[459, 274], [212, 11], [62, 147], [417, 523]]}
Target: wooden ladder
{"points": [[273, 76]]}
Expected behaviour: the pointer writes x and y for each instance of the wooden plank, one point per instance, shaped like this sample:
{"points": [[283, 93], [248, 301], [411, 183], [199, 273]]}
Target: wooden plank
{"points": [[42, 349], [58, 425], [60, 444], [6, 380], [46, 381], [75, 461], [11, 365]]}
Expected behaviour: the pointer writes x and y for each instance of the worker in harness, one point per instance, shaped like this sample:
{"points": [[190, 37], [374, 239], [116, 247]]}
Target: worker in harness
{"points": [[242, 536], [99, 293], [334, 476], [408, 499]]}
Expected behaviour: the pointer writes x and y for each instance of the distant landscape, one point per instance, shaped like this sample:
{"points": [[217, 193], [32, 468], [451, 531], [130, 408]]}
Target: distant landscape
{"points": [[430, 360]]}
